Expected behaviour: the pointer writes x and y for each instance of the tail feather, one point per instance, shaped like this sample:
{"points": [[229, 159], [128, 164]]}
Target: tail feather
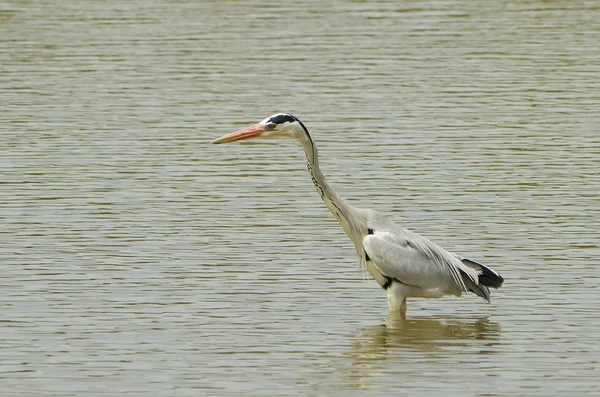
{"points": [[478, 289], [487, 276], [491, 280]]}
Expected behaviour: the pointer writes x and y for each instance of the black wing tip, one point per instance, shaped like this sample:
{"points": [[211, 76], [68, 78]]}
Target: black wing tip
{"points": [[481, 291], [476, 287], [492, 282], [485, 293], [490, 278]]}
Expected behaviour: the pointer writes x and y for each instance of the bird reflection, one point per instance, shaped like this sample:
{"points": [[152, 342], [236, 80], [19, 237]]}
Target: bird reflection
{"points": [[415, 340]]}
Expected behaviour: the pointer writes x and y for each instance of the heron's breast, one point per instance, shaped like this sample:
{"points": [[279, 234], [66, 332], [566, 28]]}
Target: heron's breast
{"points": [[376, 274]]}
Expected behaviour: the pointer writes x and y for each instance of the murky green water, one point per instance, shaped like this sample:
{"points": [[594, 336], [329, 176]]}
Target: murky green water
{"points": [[139, 259]]}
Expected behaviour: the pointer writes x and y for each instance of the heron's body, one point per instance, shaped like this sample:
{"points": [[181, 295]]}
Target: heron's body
{"points": [[402, 262]]}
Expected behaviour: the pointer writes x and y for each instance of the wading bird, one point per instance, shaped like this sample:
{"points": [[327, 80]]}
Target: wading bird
{"points": [[402, 262]]}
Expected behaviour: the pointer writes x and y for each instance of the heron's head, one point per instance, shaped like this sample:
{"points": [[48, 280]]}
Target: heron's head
{"points": [[277, 125]]}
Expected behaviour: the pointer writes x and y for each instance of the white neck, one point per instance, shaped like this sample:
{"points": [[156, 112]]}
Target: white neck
{"points": [[348, 216]]}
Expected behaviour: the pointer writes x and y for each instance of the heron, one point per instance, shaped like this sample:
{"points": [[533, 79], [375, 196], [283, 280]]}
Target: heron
{"points": [[403, 263]]}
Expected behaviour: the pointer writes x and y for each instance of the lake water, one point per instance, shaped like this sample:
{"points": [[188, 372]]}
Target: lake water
{"points": [[137, 258]]}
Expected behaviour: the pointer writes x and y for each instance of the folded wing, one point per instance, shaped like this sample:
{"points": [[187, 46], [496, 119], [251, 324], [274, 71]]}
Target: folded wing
{"points": [[487, 276], [415, 261]]}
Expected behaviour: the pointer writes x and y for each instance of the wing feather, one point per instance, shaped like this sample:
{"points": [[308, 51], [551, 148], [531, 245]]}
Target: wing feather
{"points": [[416, 261], [487, 276]]}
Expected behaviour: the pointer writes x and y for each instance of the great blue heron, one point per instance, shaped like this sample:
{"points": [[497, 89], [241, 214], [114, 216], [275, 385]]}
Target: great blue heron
{"points": [[402, 262]]}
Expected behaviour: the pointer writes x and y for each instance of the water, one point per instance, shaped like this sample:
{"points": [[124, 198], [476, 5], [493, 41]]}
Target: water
{"points": [[137, 258]]}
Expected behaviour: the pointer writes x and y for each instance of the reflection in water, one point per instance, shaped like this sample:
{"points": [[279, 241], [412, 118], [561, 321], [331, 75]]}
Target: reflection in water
{"points": [[413, 339]]}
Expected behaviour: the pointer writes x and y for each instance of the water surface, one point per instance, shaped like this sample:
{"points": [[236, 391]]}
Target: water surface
{"points": [[137, 258]]}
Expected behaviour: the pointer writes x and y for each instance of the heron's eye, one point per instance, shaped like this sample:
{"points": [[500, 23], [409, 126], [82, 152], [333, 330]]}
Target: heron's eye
{"points": [[271, 126]]}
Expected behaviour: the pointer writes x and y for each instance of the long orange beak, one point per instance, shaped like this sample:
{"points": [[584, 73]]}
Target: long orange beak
{"points": [[254, 131]]}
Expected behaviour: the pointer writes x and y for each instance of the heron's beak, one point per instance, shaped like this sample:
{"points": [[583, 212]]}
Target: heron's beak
{"points": [[254, 131]]}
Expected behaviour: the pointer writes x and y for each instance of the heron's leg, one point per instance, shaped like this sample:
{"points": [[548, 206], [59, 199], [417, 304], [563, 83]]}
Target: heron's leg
{"points": [[397, 297], [398, 310]]}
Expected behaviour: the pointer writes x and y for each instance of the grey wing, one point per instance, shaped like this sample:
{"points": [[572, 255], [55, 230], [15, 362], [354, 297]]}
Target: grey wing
{"points": [[415, 261]]}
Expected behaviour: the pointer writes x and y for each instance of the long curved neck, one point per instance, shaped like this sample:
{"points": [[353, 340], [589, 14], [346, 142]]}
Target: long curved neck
{"points": [[348, 216], [336, 205]]}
